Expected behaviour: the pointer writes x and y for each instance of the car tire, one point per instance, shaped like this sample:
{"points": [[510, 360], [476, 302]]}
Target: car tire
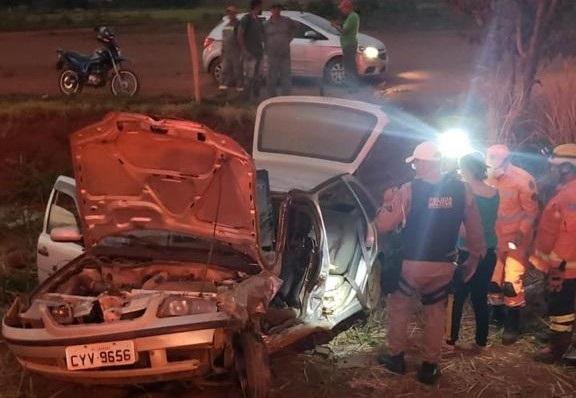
{"points": [[215, 70], [253, 365], [374, 287], [334, 72]]}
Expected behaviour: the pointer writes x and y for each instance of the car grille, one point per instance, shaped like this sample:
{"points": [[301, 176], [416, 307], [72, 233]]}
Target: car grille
{"points": [[382, 55]]}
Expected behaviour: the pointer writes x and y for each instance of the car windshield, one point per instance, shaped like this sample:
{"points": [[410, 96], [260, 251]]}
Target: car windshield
{"points": [[320, 22], [168, 244]]}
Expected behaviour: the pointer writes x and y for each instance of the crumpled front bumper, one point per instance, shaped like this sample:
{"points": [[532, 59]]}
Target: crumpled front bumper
{"points": [[167, 348]]}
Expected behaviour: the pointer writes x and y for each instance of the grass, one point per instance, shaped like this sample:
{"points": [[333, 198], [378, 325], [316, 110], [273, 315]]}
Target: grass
{"points": [[555, 106], [20, 19]]}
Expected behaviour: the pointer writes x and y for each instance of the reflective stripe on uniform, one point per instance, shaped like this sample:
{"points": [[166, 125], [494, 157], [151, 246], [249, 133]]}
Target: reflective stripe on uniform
{"points": [[563, 318], [560, 328]]}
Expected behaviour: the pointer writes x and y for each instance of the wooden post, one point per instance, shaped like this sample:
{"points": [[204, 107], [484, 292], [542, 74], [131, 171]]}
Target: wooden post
{"points": [[195, 62]]}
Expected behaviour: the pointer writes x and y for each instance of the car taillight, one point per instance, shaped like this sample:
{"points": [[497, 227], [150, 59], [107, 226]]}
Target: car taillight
{"points": [[208, 41]]}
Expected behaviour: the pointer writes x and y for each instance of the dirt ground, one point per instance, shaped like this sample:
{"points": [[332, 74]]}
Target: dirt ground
{"points": [[434, 62]]}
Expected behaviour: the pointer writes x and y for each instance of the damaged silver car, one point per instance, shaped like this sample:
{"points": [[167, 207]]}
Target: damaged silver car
{"points": [[191, 263]]}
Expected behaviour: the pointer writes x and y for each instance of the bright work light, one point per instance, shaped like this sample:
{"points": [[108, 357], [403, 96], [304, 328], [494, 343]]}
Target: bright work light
{"points": [[455, 143]]}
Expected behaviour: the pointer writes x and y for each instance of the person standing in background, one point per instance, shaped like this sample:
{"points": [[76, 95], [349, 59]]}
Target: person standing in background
{"points": [[232, 75], [251, 41], [278, 34], [474, 171], [349, 42]]}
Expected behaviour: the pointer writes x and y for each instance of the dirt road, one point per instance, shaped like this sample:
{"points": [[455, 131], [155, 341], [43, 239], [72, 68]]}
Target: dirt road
{"points": [[422, 63]]}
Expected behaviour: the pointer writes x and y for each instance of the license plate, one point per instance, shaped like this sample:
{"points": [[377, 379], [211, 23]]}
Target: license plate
{"points": [[90, 356]]}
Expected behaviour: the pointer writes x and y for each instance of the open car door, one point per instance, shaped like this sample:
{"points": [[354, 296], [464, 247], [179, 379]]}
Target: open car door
{"points": [[61, 211], [304, 141]]}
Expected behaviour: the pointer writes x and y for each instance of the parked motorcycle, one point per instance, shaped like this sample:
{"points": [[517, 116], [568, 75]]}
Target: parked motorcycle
{"points": [[105, 64]]}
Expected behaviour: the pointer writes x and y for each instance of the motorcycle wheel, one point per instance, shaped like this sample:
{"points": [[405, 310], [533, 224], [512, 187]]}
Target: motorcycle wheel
{"points": [[69, 82], [124, 84]]}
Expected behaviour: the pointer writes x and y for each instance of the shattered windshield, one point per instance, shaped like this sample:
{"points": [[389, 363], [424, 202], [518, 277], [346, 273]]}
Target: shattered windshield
{"points": [[172, 244]]}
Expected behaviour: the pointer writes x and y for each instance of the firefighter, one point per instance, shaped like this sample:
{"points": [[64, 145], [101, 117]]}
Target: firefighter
{"points": [[430, 210], [517, 213], [555, 253]]}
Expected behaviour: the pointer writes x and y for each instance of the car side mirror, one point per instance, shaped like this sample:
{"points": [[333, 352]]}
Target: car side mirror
{"points": [[310, 34], [66, 234]]}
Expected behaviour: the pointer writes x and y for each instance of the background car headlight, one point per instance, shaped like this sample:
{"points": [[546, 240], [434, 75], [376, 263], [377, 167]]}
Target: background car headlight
{"points": [[182, 305], [370, 52]]}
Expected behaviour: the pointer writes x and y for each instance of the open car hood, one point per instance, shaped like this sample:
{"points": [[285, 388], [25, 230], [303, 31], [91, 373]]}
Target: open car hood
{"points": [[135, 172], [304, 141]]}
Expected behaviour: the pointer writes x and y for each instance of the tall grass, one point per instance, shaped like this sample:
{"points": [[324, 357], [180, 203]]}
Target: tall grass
{"points": [[555, 106]]}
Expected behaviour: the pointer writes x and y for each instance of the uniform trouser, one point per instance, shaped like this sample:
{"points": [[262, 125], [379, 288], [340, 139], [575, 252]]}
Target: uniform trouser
{"points": [[349, 54], [508, 276], [477, 287], [279, 73], [561, 316], [251, 67], [232, 75], [424, 278]]}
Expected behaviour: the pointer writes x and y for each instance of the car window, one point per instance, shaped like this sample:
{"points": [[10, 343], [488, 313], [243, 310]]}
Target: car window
{"points": [[345, 224], [63, 212], [304, 129], [303, 28], [322, 23]]}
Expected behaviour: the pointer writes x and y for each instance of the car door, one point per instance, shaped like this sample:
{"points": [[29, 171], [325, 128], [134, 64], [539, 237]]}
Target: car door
{"points": [[349, 248], [304, 141], [61, 211], [302, 50], [312, 51]]}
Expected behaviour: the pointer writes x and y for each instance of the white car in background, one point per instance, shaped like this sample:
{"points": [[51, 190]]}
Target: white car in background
{"points": [[315, 50]]}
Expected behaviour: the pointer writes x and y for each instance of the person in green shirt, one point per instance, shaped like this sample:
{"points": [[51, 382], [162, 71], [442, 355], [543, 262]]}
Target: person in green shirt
{"points": [[349, 42]]}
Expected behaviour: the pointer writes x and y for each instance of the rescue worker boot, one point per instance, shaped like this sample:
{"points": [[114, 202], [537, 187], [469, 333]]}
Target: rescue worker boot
{"points": [[429, 373], [511, 326], [394, 363], [559, 344], [498, 315]]}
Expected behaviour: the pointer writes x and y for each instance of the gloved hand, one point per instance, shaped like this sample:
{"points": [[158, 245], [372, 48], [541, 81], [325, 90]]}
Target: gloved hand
{"points": [[555, 279]]}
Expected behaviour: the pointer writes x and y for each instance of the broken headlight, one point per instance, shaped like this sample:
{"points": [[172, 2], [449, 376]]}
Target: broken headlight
{"points": [[63, 314], [182, 305]]}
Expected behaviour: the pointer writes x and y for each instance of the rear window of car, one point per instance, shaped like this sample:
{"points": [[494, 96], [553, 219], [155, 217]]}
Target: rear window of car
{"points": [[319, 131], [322, 23]]}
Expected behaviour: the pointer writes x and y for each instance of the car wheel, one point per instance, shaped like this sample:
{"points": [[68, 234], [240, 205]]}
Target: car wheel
{"points": [[253, 365], [373, 287], [334, 72], [215, 70]]}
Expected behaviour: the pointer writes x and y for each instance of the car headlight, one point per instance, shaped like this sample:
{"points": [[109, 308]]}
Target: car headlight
{"points": [[370, 52], [182, 305], [63, 314]]}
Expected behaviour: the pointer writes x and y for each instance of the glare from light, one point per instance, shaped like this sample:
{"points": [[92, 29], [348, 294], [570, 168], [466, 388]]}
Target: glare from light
{"points": [[371, 52], [455, 143]]}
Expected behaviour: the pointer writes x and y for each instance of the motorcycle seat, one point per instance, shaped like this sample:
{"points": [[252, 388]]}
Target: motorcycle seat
{"points": [[81, 59]]}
